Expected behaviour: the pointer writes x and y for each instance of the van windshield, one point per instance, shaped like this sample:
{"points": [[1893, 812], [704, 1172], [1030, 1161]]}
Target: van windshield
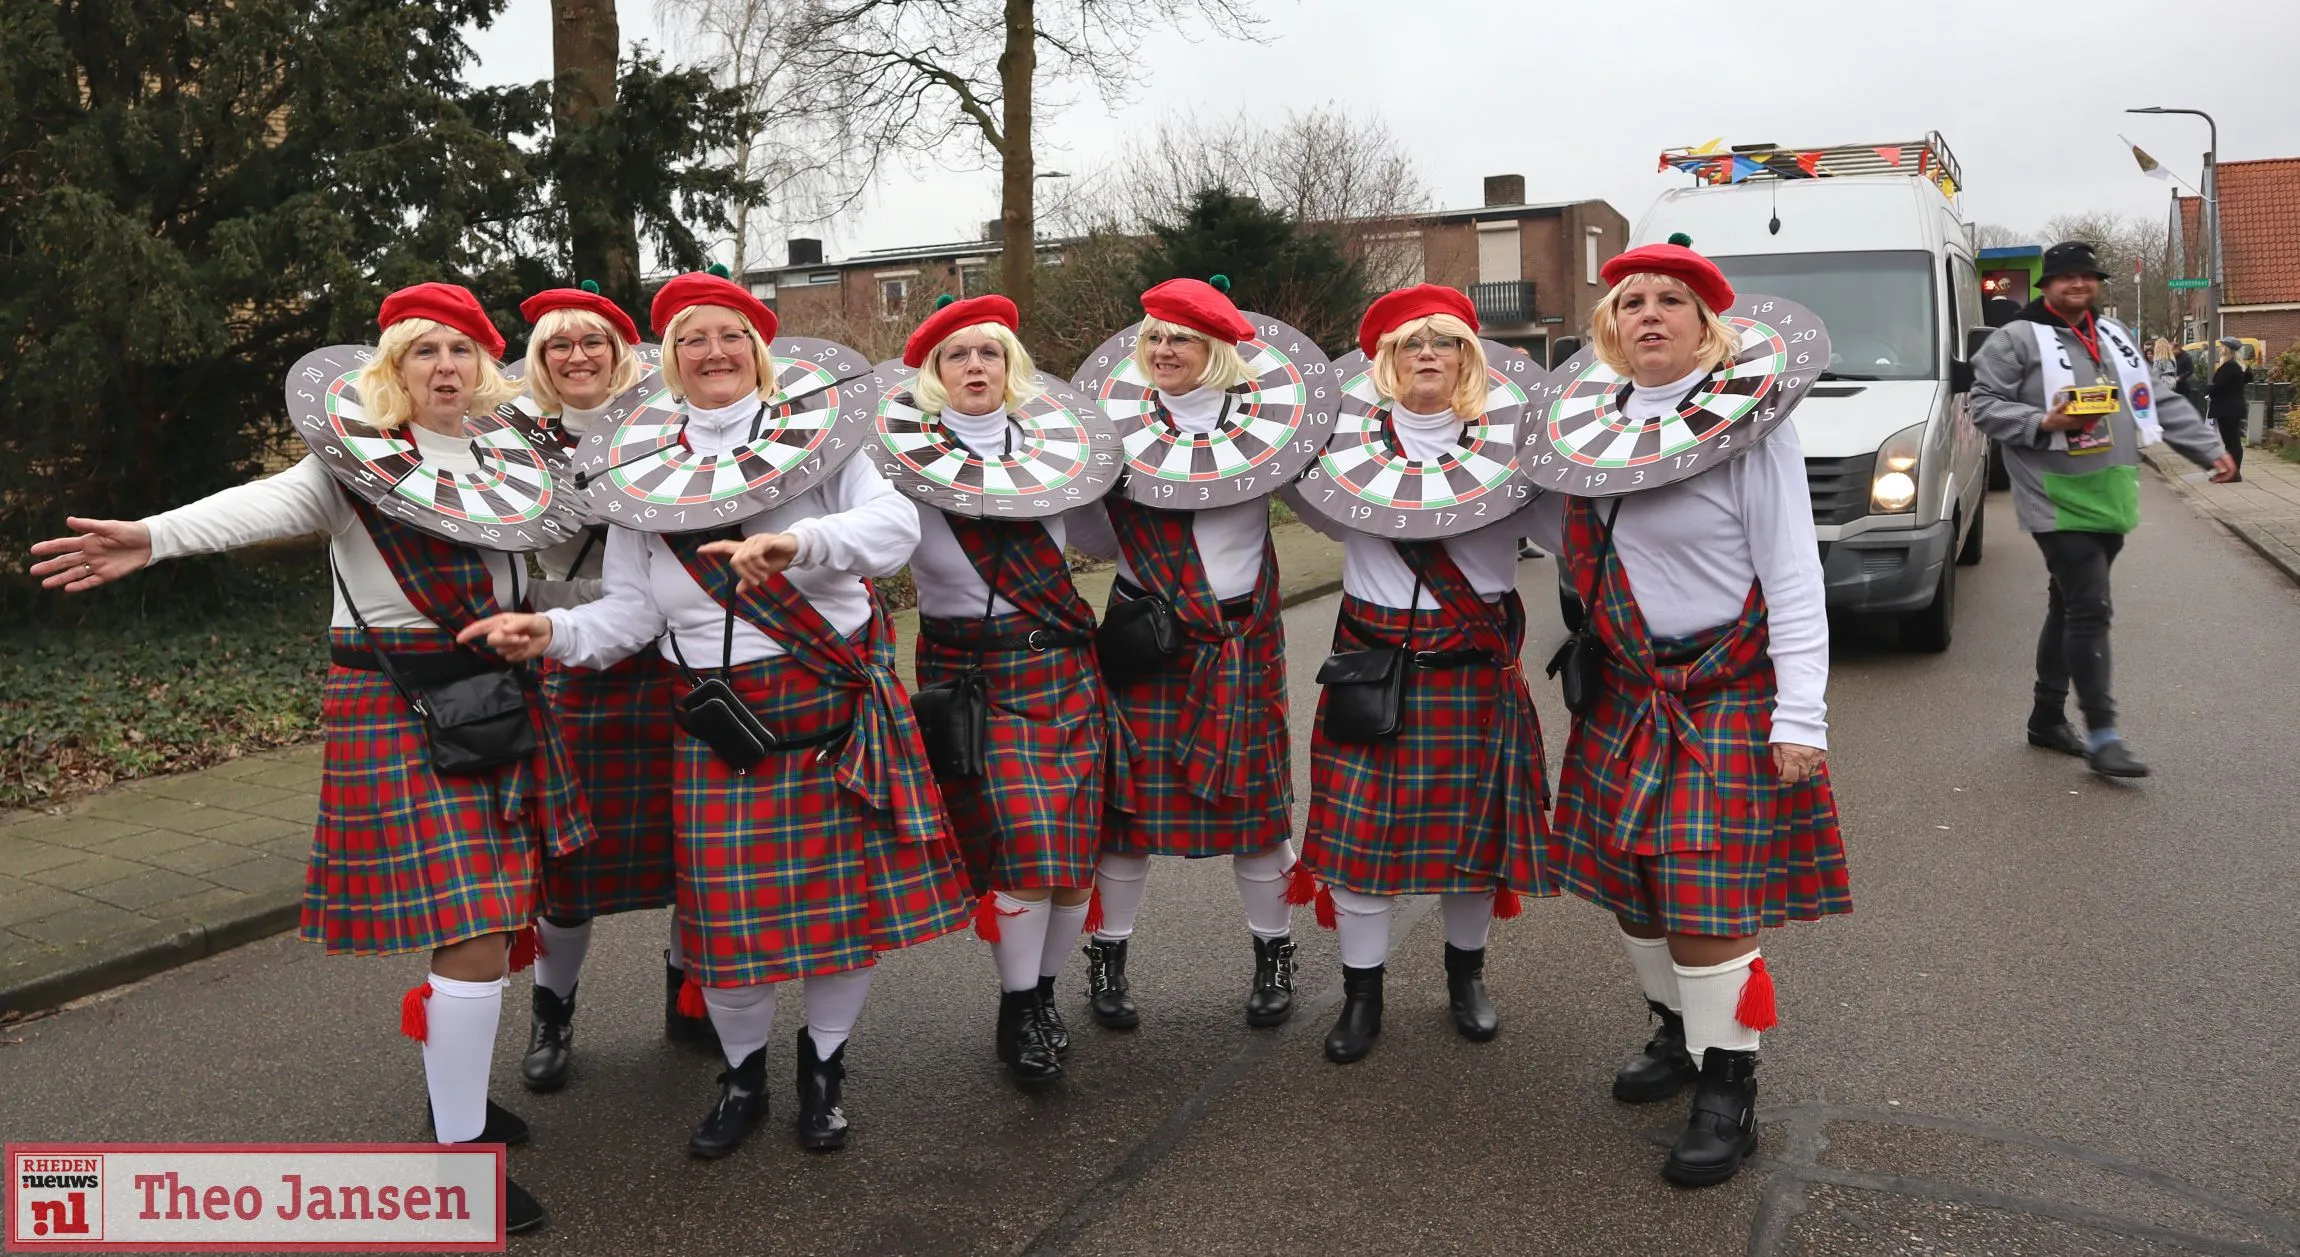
{"points": [[1878, 307]]}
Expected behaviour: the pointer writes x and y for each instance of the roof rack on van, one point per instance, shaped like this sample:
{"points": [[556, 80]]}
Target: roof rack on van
{"points": [[1928, 158]]}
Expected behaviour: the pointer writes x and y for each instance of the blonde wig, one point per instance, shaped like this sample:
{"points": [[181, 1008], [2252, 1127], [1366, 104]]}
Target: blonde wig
{"points": [[385, 399], [622, 368], [762, 362], [1719, 342], [1021, 373], [1225, 368], [1468, 396]]}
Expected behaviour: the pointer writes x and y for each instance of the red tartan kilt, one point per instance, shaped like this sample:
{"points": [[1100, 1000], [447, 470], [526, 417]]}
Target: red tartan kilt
{"points": [[1033, 820], [1427, 812], [1170, 820], [404, 859], [618, 728], [784, 872], [1770, 854]]}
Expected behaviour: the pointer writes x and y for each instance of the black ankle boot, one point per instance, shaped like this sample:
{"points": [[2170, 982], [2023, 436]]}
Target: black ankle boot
{"points": [[1663, 1068], [1022, 1045], [1353, 1033], [678, 1027], [521, 1213], [1723, 1128], [1271, 1001], [1106, 994], [742, 1104], [550, 1041], [822, 1124], [503, 1126], [1050, 1018], [1473, 1014]]}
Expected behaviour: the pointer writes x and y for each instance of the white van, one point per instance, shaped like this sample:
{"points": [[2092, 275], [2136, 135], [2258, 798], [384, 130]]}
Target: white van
{"points": [[1869, 238]]}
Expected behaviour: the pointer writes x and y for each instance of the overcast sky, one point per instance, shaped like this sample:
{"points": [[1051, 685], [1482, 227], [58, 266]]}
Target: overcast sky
{"points": [[1581, 97]]}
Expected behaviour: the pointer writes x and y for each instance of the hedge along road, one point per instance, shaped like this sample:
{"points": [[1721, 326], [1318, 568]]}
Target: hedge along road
{"points": [[2056, 1023]]}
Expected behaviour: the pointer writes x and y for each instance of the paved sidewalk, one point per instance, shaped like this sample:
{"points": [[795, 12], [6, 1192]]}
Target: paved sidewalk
{"points": [[160, 872], [2263, 509]]}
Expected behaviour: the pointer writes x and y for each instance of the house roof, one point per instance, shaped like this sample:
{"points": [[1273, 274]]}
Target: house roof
{"points": [[2259, 228], [1545, 209]]}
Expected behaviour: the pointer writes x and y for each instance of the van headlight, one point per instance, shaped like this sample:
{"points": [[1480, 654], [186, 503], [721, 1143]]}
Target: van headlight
{"points": [[1894, 491]]}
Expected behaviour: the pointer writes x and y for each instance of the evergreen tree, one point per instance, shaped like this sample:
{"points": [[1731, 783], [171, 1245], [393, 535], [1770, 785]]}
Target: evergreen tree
{"points": [[1276, 265]]}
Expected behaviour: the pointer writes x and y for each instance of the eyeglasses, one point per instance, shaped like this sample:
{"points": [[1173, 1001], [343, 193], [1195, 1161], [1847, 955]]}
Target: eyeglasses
{"points": [[987, 353], [561, 347], [1170, 340], [1440, 345], [698, 346]]}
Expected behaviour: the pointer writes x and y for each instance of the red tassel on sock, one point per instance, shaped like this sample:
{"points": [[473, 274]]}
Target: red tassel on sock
{"points": [[1301, 888], [414, 1017], [1506, 905], [987, 913], [1326, 919], [691, 999], [1094, 911], [523, 948], [1756, 1009], [536, 931]]}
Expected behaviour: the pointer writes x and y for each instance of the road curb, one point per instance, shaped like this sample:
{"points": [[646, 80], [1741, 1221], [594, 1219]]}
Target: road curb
{"points": [[2245, 533], [139, 954]]}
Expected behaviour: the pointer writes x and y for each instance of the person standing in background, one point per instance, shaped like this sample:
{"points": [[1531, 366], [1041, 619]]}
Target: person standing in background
{"points": [[2227, 402]]}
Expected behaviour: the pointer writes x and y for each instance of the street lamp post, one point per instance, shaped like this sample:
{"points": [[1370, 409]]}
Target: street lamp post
{"points": [[2212, 293]]}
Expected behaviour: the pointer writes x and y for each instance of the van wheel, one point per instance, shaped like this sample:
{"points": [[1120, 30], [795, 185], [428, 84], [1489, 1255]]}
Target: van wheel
{"points": [[2000, 476], [1928, 631], [1969, 554]]}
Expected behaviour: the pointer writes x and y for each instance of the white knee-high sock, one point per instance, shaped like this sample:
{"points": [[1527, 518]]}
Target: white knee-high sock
{"points": [[1712, 993], [559, 953], [459, 1052], [1262, 889], [744, 1016], [1120, 880], [1063, 925], [834, 1003], [1021, 940], [677, 957], [1468, 918], [1363, 921], [1656, 974]]}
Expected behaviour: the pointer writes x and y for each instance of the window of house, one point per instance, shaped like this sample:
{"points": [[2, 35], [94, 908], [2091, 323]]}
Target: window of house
{"points": [[1395, 259], [974, 277], [894, 294], [1589, 255], [1498, 259]]}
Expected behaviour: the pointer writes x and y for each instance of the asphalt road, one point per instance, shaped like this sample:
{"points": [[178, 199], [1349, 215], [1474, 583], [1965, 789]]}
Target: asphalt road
{"points": [[2061, 1021]]}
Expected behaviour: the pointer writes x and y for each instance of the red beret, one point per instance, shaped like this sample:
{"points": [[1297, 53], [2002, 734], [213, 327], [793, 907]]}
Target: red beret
{"points": [[450, 304], [1393, 310], [1677, 262], [701, 288], [534, 308], [940, 324], [1199, 306]]}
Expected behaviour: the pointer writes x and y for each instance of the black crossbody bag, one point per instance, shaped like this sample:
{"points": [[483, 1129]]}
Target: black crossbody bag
{"points": [[1137, 636], [1366, 689], [714, 715], [471, 725], [1579, 664], [954, 715]]}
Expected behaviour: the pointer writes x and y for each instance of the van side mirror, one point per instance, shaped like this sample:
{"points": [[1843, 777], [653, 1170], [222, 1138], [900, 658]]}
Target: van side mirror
{"points": [[1976, 337], [1960, 376]]}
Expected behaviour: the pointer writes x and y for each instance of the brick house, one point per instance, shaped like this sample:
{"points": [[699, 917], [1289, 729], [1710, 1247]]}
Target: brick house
{"points": [[2259, 252], [1531, 269]]}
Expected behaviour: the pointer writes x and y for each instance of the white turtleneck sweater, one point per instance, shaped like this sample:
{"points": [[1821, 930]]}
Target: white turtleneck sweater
{"points": [[1371, 567], [1229, 537], [948, 586], [563, 585], [851, 526], [1692, 548], [303, 500]]}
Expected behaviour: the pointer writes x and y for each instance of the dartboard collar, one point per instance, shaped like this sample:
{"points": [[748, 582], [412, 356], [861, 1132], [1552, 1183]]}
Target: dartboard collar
{"points": [[1164, 418], [1629, 387], [1397, 448]]}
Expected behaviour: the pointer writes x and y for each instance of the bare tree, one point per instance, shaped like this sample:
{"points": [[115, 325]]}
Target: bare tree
{"points": [[1998, 236], [922, 76], [2118, 240], [1349, 176]]}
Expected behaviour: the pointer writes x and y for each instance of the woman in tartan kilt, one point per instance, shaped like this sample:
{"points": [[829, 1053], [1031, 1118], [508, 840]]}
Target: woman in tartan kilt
{"points": [[831, 848], [1216, 775], [404, 858], [997, 595], [1693, 803], [579, 359], [1452, 804]]}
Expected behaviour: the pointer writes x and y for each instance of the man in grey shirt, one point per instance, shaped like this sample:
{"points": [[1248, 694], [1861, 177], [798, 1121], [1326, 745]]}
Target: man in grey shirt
{"points": [[2076, 482]]}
